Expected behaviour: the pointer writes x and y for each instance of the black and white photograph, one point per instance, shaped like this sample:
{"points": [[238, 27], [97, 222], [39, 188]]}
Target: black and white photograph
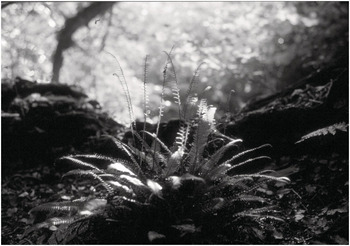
{"points": [[175, 122]]}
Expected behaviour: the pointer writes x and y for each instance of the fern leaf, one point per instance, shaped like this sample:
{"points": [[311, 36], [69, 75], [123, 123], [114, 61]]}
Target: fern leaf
{"points": [[90, 173], [68, 206], [60, 220], [213, 205], [174, 162], [248, 198], [119, 167], [95, 156], [54, 222], [159, 141], [117, 185], [81, 163], [257, 216], [153, 160], [199, 143], [201, 136], [133, 164], [182, 136], [247, 152], [218, 172], [190, 87], [154, 187], [342, 126], [145, 93], [129, 200], [161, 105], [71, 232], [279, 179], [120, 75], [191, 107], [247, 162], [175, 89], [215, 158], [145, 102], [132, 180], [259, 213]]}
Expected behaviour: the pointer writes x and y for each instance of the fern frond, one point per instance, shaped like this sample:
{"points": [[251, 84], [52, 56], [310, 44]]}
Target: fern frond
{"points": [[67, 206], [161, 106], [145, 92], [175, 89], [199, 143], [342, 126], [71, 232], [248, 161], [129, 200], [248, 198], [247, 152], [95, 156], [218, 172], [174, 162], [54, 222], [267, 171], [279, 179], [120, 75], [81, 163], [201, 136], [191, 107], [119, 167], [60, 220], [257, 216], [159, 141], [213, 205], [190, 87], [145, 101], [151, 158], [133, 164], [132, 180], [80, 172], [266, 209], [182, 136], [155, 187], [117, 185], [215, 158]]}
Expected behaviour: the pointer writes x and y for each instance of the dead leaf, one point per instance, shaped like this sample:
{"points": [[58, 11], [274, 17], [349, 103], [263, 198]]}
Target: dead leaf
{"points": [[24, 194], [277, 235], [153, 235]]}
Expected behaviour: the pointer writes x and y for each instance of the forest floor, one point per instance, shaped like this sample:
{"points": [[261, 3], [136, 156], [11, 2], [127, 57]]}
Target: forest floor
{"points": [[316, 202]]}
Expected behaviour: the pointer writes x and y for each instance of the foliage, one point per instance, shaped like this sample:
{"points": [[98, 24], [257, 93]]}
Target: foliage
{"points": [[342, 126], [185, 193], [251, 48]]}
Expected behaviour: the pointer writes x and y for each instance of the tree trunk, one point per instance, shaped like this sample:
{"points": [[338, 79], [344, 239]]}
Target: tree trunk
{"points": [[72, 24]]}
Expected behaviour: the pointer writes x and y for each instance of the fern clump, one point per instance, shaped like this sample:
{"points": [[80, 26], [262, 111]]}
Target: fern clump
{"points": [[184, 193]]}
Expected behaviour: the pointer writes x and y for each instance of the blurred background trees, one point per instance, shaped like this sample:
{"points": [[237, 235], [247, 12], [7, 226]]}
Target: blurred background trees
{"points": [[249, 49]]}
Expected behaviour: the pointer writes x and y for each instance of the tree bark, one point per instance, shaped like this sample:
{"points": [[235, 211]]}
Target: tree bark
{"points": [[83, 17]]}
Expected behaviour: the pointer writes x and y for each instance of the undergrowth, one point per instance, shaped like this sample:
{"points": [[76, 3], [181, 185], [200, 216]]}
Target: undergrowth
{"points": [[190, 192]]}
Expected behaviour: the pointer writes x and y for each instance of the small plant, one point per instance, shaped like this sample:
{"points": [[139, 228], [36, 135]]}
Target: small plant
{"points": [[332, 129], [187, 193]]}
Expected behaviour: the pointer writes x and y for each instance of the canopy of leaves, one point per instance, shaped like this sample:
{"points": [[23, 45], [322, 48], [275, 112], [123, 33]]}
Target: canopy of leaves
{"points": [[249, 47]]}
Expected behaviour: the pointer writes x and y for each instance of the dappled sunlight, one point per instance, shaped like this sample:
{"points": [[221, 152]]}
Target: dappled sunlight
{"points": [[174, 123], [246, 46]]}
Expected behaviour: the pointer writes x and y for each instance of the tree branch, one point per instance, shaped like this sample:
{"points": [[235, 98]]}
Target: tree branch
{"points": [[72, 24]]}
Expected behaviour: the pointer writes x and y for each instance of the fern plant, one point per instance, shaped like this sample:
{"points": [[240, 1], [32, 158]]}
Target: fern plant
{"points": [[332, 129], [184, 193]]}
